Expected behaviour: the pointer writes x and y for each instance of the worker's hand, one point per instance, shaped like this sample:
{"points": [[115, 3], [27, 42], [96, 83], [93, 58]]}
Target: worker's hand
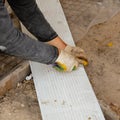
{"points": [[78, 53], [66, 62]]}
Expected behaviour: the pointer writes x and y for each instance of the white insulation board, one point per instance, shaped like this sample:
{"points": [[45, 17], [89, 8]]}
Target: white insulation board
{"points": [[63, 96]]}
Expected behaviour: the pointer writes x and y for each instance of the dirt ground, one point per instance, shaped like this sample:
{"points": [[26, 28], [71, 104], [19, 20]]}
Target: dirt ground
{"points": [[101, 44], [20, 103]]}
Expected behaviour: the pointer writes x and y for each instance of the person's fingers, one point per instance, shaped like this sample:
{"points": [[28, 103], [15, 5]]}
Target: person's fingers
{"points": [[81, 56], [59, 67], [77, 50], [66, 62], [81, 61], [73, 50], [76, 64]]}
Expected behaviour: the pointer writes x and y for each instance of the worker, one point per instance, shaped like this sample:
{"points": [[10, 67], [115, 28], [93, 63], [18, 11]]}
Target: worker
{"points": [[48, 49]]}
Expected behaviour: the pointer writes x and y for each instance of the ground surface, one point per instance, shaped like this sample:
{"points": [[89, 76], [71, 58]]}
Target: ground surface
{"points": [[20, 103], [102, 46]]}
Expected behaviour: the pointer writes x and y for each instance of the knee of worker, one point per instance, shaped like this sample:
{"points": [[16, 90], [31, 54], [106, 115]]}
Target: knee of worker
{"points": [[10, 39]]}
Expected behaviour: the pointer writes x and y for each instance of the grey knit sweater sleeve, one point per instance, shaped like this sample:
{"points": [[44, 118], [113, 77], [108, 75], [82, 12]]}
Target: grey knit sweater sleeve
{"points": [[33, 19], [16, 43]]}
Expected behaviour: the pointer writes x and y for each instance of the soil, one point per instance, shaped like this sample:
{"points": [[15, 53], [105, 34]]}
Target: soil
{"points": [[101, 44], [20, 103]]}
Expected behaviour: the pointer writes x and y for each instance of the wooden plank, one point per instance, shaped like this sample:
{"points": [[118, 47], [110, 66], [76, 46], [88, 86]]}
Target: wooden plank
{"points": [[10, 80], [63, 96]]}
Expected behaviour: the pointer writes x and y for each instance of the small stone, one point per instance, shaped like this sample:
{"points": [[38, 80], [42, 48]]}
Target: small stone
{"points": [[22, 105], [18, 85], [89, 118], [29, 77]]}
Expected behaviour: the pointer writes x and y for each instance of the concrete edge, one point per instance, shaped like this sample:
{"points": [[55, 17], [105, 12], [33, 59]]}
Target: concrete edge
{"points": [[18, 74], [108, 112]]}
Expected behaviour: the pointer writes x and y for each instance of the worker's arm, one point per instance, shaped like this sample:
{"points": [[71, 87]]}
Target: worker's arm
{"points": [[33, 19], [16, 43]]}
